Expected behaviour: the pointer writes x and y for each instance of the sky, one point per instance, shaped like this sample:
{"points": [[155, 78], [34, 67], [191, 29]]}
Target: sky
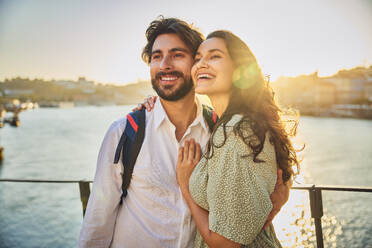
{"points": [[102, 40]]}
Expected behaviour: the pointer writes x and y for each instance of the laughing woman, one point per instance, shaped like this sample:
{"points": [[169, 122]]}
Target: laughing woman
{"points": [[228, 190]]}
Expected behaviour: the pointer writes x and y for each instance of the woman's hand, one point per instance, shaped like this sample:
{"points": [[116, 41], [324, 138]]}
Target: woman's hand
{"points": [[279, 197], [148, 103], [188, 158]]}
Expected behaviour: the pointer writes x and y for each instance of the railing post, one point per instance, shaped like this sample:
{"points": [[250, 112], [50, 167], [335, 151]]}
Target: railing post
{"points": [[316, 206], [84, 194]]}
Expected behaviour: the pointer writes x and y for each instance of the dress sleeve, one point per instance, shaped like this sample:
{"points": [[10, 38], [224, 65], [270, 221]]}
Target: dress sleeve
{"points": [[100, 216], [237, 192]]}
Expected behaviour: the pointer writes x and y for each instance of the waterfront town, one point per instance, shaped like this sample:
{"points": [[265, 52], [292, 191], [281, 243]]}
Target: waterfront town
{"points": [[348, 93]]}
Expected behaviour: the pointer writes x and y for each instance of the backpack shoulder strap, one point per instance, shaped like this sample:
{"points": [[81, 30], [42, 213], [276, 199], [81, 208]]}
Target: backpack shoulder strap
{"points": [[130, 144], [210, 117]]}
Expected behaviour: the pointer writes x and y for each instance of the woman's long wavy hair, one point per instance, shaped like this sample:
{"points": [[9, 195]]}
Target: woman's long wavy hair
{"points": [[253, 98]]}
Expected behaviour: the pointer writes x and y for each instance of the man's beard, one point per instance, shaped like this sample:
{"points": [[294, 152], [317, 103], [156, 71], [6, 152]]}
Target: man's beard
{"points": [[185, 87]]}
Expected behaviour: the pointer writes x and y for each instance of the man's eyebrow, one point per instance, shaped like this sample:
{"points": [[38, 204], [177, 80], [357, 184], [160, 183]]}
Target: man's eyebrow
{"points": [[156, 51], [176, 49], [179, 49]]}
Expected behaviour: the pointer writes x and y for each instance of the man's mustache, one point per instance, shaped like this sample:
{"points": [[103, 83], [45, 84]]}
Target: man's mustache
{"points": [[171, 73]]}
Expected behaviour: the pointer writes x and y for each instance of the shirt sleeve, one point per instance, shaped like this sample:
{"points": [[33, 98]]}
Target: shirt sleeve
{"points": [[100, 216], [237, 193]]}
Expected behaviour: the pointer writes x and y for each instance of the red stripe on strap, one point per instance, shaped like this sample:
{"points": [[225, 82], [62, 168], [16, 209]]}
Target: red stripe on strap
{"points": [[214, 117], [132, 122]]}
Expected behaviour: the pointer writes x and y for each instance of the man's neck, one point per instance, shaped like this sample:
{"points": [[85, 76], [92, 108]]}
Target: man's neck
{"points": [[181, 113]]}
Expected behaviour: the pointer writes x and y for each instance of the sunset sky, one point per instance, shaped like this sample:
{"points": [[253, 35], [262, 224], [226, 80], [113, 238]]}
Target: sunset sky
{"points": [[102, 40]]}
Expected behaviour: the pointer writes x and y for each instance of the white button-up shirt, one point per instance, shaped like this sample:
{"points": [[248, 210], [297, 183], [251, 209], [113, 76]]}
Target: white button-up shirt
{"points": [[153, 214]]}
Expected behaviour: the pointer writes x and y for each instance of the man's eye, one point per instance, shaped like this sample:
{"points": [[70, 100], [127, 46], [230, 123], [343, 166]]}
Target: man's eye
{"points": [[157, 56], [178, 55]]}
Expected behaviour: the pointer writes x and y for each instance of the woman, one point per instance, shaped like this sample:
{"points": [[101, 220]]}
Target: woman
{"points": [[228, 190]]}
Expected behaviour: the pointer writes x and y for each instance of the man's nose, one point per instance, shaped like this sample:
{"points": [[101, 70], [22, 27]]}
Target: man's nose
{"points": [[166, 63]]}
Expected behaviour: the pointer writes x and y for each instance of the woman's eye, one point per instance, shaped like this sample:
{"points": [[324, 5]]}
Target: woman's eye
{"points": [[178, 55], [196, 60], [215, 56]]}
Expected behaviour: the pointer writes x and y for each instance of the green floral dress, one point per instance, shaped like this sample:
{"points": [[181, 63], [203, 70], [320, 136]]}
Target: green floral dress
{"points": [[235, 190]]}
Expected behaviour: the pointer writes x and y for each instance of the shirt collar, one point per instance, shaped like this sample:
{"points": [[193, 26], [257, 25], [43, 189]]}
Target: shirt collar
{"points": [[160, 115], [199, 116]]}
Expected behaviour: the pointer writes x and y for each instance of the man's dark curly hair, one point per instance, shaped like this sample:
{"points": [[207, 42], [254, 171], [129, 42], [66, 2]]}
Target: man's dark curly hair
{"points": [[187, 33]]}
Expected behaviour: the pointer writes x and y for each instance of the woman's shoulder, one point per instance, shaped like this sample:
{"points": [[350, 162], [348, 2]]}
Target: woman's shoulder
{"points": [[234, 120], [237, 124], [229, 126], [224, 131], [238, 132], [227, 135]]}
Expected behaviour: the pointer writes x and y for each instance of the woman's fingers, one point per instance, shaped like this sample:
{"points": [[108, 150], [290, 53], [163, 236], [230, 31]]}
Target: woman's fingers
{"points": [[191, 150], [197, 152], [151, 101], [148, 103], [186, 150], [147, 106], [180, 154]]}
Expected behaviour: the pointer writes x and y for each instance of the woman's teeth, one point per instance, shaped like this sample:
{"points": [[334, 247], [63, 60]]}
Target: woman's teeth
{"points": [[204, 76]]}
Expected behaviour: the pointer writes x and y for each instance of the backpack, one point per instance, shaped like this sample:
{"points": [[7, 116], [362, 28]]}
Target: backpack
{"points": [[132, 138]]}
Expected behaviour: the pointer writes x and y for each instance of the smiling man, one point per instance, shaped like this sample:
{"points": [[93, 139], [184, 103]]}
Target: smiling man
{"points": [[153, 214], [169, 66]]}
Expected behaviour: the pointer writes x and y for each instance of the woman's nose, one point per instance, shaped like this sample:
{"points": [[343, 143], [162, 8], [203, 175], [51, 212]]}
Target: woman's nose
{"points": [[202, 63]]}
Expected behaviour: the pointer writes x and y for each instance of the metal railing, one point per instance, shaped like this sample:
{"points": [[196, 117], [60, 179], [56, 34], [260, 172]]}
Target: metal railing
{"points": [[316, 203], [315, 196]]}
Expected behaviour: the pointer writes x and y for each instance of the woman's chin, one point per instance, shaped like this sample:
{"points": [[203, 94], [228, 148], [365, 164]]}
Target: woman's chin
{"points": [[203, 89]]}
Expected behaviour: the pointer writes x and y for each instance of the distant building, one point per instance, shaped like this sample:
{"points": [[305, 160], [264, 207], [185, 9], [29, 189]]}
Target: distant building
{"points": [[306, 91], [349, 87], [83, 82], [66, 84], [87, 87], [89, 90], [324, 93], [357, 85], [17, 92], [368, 91]]}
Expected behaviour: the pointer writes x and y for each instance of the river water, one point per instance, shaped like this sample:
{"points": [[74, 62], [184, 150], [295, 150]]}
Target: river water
{"points": [[63, 144]]}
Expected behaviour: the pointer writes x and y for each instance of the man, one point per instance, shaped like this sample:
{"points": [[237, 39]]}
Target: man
{"points": [[153, 214]]}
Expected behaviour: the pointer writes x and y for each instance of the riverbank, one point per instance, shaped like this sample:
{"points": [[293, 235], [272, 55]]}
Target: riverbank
{"points": [[63, 144], [354, 111]]}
